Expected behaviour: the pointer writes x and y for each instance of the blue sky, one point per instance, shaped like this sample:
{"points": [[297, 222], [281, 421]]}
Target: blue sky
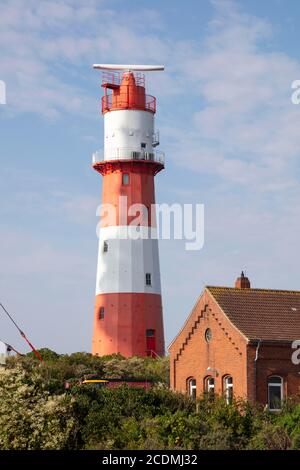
{"points": [[227, 126]]}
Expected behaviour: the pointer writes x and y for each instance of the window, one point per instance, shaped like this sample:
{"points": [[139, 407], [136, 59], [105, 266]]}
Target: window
{"points": [[150, 333], [208, 335], [105, 247], [192, 388], [125, 178], [209, 387], [228, 389], [151, 342], [275, 392], [143, 145], [101, 313], [148, 279]]}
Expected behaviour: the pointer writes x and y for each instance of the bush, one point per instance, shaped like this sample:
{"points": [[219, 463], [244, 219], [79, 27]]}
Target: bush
{"points": [[31, 418], [270, 437], [37, 413]]}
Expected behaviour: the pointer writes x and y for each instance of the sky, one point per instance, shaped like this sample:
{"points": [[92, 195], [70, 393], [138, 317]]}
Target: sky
{"points": [[228, 127]]}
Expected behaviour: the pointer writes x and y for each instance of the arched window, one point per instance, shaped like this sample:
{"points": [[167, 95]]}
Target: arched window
{"points": [[192, 387], [209, 387], [275, 392], [228, 389]]}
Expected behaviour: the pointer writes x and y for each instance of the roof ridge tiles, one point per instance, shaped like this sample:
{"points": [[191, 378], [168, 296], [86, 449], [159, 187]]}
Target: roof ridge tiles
{"points": [[268, 291]]}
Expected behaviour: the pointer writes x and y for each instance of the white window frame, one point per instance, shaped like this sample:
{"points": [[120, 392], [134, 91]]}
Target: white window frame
{"points": [[192, 387], [210, 386], [227, 388], [275, 384]]}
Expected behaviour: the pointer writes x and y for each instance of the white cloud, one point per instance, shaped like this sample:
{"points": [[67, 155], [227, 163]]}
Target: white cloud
{"points": [[47, 49], [243, 126], [247, 129]]}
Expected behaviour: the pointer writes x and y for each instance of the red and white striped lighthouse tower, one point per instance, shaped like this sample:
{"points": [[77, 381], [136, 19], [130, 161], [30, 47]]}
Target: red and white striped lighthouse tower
{"points": [[128, 308]]}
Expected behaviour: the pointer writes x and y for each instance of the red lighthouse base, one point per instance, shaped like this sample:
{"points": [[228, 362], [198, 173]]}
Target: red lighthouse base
{"points": [[133, 326]]}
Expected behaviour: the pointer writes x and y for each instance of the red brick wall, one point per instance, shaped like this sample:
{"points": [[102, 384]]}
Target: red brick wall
{"points": [[226, 352], [276, 360]]}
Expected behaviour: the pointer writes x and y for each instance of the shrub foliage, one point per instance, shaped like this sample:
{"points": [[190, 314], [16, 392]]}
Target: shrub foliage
{"points": [[37, 412]]}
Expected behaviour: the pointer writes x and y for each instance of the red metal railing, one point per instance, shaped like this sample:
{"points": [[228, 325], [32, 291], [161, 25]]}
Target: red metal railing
{"points": [[115, 78], [122, 103], [111, 77]]}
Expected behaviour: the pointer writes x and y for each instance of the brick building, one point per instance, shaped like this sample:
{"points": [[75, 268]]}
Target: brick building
{"points": [[238, 341]]}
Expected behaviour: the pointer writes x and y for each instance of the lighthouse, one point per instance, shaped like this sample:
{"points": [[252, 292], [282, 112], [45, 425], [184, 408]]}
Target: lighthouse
{"points": [[128, 308]]}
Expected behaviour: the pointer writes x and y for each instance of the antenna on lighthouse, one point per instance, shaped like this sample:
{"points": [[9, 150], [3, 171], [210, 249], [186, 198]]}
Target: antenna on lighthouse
{"points": [[130, 67]]}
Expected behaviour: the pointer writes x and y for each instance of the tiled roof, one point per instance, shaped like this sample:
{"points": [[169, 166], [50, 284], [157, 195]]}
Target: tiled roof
{"points": [[257, 313]]}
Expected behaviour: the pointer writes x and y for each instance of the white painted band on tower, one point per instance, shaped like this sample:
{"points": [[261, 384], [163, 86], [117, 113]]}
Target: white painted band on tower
{"points": [[123, 264], [127, 129]]}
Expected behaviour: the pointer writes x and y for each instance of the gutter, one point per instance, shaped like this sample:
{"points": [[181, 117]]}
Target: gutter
{"points": [[271, 342], [255, 367]]}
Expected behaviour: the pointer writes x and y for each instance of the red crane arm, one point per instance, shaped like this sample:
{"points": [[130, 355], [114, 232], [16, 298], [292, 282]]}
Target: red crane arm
{"points": [[22, 334], [32, 347]]}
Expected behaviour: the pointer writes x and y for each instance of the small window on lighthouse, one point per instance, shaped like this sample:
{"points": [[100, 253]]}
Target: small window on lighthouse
{"points": [[105, 247], [150, 333], [101, 313], [125, 178], [148, 279]]}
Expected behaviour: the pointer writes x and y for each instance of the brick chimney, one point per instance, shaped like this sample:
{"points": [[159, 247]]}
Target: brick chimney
{"points": [[242, 282]]}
